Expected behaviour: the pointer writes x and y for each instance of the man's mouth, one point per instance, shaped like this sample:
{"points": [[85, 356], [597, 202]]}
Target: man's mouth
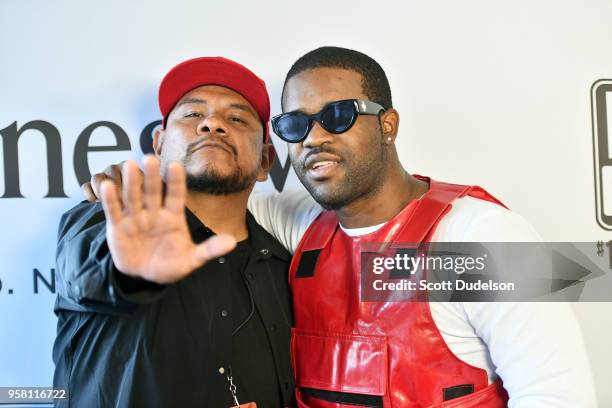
{"points": [[209, 145], [321, 165]]}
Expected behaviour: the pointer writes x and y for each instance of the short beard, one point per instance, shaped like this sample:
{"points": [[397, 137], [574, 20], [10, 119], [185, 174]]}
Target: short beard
{"points": [[362, 180], [211, 182], [353, 188]]}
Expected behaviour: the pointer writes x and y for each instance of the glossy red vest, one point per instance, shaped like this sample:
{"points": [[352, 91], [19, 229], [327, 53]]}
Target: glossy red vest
{"points": [[349, 353]]}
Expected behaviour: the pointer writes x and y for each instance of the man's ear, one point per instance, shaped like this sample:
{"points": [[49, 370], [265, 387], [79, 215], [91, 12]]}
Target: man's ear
{"points": [[389, 122], [268, 154], [158, 140]]}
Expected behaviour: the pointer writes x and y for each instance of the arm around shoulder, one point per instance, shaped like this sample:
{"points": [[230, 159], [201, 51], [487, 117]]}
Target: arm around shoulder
{"points": [[286, 215]]}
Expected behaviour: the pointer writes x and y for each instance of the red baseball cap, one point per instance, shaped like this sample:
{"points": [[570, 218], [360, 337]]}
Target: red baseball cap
{"points": [[221, 71]]}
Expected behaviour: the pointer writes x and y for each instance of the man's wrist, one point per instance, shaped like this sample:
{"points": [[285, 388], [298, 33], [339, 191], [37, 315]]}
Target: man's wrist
{"points": [[134, 289]]}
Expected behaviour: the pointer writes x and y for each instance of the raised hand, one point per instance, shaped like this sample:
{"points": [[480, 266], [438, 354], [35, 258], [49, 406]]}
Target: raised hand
{"points": [[147, 234]]}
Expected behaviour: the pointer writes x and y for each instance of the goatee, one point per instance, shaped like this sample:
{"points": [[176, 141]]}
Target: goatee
{"points": [[211, 182]]}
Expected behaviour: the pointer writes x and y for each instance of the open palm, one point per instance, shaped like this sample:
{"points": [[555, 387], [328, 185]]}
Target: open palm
{"points": [[147, 232]]}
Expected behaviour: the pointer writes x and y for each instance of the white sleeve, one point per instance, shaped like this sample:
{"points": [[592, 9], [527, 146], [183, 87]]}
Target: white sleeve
{"points": [[286, 215], [537, 348], [473, 220], [538, 351]]}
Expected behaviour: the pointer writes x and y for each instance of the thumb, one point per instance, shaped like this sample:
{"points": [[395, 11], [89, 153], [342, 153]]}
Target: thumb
{"points": [[213, 247]]}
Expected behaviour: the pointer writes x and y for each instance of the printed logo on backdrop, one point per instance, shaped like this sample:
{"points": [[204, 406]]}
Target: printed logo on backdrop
{"points": [[601, 109], [55, 167]]}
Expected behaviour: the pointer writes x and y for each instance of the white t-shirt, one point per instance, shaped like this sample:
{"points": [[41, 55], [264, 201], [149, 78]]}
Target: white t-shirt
{"points": [[536, 348]]}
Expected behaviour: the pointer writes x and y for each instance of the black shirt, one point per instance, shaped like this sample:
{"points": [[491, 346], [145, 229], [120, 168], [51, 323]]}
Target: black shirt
{"points": [[252, 358], [129, 343]]}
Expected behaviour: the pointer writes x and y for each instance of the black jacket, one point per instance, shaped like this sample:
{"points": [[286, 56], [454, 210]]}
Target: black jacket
{"points": [[123, 342]]}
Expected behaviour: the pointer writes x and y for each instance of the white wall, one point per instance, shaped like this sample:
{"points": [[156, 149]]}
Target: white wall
{"points": [[491, 93]]}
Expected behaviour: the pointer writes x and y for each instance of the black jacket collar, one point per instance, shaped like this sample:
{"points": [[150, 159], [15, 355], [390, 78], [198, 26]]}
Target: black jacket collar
{"points": [[260, 240]]}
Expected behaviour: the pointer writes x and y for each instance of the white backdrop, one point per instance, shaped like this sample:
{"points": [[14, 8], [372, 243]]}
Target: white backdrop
{"points": [[491, 93]]}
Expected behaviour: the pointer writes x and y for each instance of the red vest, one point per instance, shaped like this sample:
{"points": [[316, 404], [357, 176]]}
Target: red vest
{"points": [[349, 353]]}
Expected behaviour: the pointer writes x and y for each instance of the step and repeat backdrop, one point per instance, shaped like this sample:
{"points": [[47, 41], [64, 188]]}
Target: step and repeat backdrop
{"points": [[512, 96]]}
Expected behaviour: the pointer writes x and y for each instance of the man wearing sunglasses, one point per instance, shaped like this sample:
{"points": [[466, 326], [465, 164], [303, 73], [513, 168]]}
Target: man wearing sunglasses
{"points": [[341, 128]]}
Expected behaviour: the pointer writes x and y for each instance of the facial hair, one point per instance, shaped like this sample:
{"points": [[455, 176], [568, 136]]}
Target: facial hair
{"points": [[211, 182], [362, 178]]}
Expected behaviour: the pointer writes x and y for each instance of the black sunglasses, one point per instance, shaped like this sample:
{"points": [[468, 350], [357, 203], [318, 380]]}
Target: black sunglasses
{"points": [[335, 117]]}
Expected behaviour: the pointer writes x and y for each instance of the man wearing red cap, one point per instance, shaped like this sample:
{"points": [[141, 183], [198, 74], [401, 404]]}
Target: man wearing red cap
{"points": [[173, 295]]}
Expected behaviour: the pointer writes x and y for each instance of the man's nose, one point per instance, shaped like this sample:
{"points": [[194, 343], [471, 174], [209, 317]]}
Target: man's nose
{"points": [[213, 125], [317, 136]]}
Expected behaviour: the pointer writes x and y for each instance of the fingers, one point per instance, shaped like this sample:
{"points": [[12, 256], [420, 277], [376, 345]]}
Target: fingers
{"points": [[214, 247], [110, 202], [132, 187], [88, 192], [91, 190], [176, 189], [153, 183], [96, 181], [114, 173]]}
